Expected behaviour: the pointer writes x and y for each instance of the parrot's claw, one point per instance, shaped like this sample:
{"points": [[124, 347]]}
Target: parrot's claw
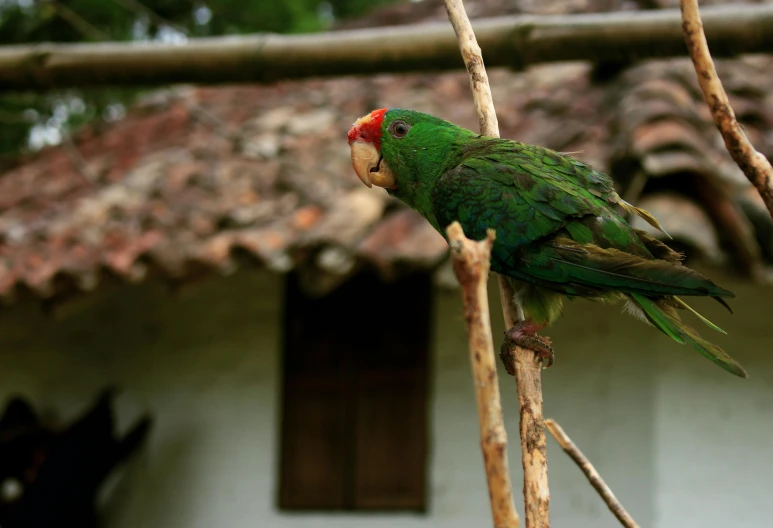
{"points": [[524, 334]]}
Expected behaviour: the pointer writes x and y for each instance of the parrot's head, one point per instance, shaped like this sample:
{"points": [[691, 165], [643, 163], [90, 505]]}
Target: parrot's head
{"points": [[365, 141], [403, 151]]}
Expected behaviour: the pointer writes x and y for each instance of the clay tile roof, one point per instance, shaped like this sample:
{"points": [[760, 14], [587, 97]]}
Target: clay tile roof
{"points": [[200, 180]]}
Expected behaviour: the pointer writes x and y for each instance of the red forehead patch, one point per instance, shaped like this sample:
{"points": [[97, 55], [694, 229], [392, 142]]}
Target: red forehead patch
{"points": [[368, 128]]}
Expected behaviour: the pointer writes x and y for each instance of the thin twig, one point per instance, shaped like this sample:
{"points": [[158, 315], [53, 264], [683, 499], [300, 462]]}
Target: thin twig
{"points": [[590, 472], [138, 8], [86, 28], [753, 164], [14, 118], [471, 264], [77, 158], [210, 120], [526, 366]]}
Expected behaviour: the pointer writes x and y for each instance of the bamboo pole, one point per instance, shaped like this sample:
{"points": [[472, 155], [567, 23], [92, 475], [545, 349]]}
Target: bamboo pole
{"points": [[512, 41], [527, 367]]}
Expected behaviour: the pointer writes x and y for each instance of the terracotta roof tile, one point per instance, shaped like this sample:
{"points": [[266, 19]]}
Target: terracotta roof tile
{"points": [[199, 180], [401, 238]]}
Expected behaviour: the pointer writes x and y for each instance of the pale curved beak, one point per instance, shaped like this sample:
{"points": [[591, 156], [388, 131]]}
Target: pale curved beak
{"points": [[371, 169]]}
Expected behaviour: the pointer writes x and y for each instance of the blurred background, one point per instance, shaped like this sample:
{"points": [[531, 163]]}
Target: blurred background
{"points": [[207, 320]]}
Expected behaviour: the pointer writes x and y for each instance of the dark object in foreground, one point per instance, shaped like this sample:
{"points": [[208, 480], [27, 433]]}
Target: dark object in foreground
{"points": [[52, 477]]}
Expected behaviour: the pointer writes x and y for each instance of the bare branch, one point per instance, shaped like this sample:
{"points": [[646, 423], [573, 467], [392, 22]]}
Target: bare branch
{"points": [[473, 61], [590, 472], [754, 165], [526, 366], [513, 41], [536, 494], [7, 117], [210, 120], [86, 28], [138, 8], [77, 158], [471, 264], [506, 294]]}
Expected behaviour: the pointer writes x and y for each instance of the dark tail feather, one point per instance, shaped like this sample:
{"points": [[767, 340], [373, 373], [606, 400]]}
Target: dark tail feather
{"points": [[721, 301], [665, 319]]}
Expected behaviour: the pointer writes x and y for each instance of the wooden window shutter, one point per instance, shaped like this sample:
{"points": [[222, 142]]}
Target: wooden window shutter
{"points": [[354, 428]]}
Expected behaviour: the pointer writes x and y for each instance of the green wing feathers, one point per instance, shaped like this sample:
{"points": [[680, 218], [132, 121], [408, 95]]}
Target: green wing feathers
{"points": [[665, 318], [558, 231]]}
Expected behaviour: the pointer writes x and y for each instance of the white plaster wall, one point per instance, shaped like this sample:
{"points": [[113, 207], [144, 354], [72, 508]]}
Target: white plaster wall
{"points": [[204, 364], [681, 442], [714, 436]]}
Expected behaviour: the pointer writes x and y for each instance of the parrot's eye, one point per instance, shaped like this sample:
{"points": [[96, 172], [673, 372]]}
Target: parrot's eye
{"points": [[399, 129]]}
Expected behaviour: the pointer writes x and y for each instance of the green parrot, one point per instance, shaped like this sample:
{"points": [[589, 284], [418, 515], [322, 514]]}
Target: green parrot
{"points": [[558, 234]]}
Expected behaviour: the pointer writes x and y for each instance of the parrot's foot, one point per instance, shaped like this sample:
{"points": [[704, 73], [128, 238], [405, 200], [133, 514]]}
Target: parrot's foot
{"points": [[524, 334]]}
